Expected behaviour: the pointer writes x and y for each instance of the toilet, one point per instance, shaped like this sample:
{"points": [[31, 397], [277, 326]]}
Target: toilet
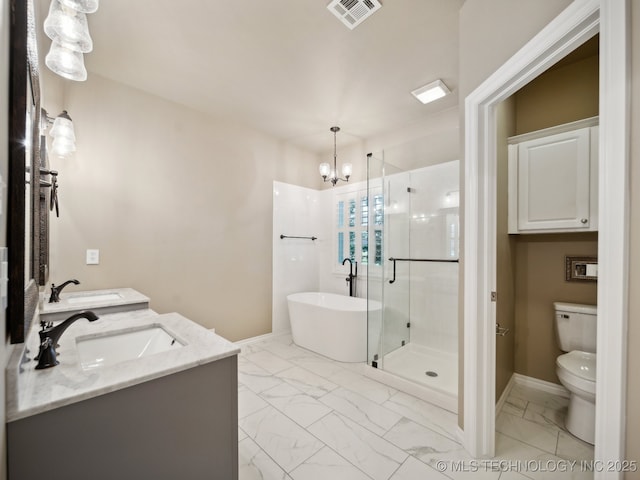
{"points": [[576, 369]]}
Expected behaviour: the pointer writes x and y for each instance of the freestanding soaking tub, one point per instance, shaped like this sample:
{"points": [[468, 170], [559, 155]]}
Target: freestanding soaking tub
{"points": [[329, 324]]}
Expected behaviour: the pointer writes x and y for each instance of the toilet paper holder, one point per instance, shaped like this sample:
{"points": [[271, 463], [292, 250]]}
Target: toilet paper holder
{"points": [[501, 331]]}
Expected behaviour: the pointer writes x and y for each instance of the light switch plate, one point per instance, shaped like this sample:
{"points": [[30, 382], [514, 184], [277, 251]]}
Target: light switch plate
{"points": [[93, 257]]}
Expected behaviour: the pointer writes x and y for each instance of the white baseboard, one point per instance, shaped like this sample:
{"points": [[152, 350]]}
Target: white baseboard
{"points": [[505, 393], [260, 338], [538, 384], [530, 382]]}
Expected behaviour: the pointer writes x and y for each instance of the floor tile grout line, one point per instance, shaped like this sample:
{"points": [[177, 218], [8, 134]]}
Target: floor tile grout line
{"points": [[385, 430], [329, 447], [399, 467], [252, 413], [269, 404], [528, 444], [449, 461], [547, 424], [346, 460], [287, 473], [423, 426], [305, 429], [451, 435], [526, 408], [338, 414]]}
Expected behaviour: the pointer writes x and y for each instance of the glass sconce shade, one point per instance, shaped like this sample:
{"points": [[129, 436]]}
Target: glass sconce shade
{"points": [[69, 26], [65, 61], [84, 6], [63, 147], [325, 169], [64, 137], [63, 128], [346, 170]]}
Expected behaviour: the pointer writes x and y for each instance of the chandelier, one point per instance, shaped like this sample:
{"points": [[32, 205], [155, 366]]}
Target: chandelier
{"points": [[329, 175]]}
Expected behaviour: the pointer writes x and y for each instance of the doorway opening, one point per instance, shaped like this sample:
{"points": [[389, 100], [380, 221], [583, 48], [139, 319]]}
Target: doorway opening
{"points": [[574, 26]]}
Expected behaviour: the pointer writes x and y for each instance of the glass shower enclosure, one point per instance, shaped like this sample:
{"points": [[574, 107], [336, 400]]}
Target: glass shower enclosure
{"points": [[412, 279]]}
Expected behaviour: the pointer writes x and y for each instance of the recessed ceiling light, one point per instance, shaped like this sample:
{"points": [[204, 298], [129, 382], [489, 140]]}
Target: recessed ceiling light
{"points": [[431, 92]]}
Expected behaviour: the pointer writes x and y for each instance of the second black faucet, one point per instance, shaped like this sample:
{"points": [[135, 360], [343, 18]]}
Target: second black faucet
{"points": [[55, 291]]}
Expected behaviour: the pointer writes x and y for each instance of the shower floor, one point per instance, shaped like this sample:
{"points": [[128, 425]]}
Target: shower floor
{"points": [[413, 361]]}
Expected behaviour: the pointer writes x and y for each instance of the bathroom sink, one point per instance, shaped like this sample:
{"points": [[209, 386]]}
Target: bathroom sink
{"points": [[101, 302], [115, 347], [97, 297]]}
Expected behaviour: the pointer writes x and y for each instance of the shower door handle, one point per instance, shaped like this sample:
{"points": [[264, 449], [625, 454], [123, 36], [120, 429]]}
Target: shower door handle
{"points": [[394, 270]]}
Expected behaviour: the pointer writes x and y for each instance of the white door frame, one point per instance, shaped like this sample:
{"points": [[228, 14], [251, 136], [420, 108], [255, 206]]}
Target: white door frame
{"points": [[577, 23]]}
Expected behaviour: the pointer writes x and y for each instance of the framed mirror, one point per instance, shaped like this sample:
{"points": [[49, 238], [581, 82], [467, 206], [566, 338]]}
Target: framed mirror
{"points": [[41, 244], [24, 171]]}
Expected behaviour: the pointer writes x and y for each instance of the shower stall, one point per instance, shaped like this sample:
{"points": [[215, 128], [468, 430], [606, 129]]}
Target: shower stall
{"points": [[413, 275]]}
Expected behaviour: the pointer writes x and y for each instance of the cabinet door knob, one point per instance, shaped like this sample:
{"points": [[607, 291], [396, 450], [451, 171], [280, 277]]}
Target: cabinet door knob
{"points": [[584, 221]]}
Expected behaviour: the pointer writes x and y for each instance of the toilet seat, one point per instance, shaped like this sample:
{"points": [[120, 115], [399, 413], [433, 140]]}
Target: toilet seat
{"points": [[577, 370]]}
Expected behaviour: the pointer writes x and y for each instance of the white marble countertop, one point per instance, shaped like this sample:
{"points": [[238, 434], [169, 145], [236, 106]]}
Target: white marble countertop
{"points": [[128, 296], [31, 391]]}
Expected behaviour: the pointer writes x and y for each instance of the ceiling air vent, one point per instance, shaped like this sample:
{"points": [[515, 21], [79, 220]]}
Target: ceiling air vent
{"points": [[353, 12]]}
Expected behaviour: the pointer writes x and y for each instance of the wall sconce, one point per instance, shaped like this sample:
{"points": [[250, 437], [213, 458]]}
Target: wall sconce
{"points": [[329, 175], [451, 199], [67, 26], [63, 134]]}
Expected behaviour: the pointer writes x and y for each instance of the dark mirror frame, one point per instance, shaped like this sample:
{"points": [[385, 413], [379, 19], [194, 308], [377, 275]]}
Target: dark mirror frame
{"points": [[23, 63], [41, 245]]}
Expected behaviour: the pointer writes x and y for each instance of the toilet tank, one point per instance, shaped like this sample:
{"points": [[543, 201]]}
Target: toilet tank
{"points": [[576, 326]]}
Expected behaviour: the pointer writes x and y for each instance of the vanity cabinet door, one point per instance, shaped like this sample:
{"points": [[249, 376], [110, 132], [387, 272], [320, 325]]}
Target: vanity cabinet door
{"points": [[552, 183]]}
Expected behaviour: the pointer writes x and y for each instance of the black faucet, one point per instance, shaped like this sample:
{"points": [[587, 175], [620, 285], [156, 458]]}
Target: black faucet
{"points": [[351, 278], [49, 336], [55, 291]]}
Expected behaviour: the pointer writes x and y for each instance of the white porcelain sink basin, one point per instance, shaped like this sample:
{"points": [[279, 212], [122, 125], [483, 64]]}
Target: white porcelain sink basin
{"points": [[119, 346], [98, 297]]}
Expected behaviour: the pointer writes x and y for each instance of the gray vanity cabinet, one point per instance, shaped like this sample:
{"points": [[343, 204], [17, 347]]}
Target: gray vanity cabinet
{"points": [[180, 426]]}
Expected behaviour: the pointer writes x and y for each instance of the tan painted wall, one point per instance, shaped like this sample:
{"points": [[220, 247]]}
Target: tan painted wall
{"points": [[491, 31], [178, 203], [540, 280], [505, 251], [558, 96]]}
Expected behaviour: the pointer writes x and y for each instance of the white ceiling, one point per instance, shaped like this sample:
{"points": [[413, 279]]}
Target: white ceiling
{"points": [[285, 67]]}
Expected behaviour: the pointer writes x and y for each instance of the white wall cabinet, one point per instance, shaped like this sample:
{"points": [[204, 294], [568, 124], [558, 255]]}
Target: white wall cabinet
{"points": [[553, 179]]}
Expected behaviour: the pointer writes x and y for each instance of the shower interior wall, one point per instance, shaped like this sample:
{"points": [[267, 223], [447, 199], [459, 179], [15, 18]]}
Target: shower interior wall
{"points": [[296, 212]]}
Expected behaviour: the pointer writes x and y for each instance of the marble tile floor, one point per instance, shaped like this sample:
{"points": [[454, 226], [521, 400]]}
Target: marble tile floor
{"points": [[305, 417], [537, 418]]}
